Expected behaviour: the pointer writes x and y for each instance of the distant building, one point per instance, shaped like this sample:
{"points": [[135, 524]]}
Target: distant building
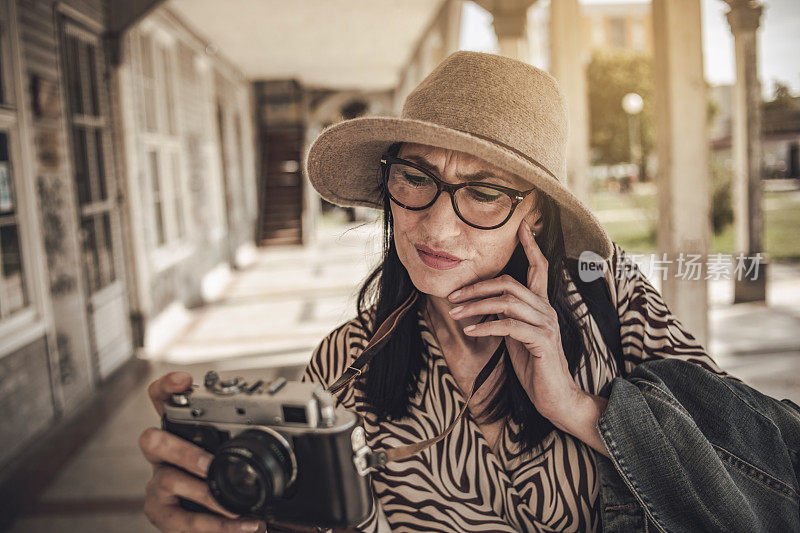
{"points": [[780, 141], [618, 25], [604, 26]]}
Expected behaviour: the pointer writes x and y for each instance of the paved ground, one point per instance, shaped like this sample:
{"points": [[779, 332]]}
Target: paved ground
{"points": [[275, 312]]}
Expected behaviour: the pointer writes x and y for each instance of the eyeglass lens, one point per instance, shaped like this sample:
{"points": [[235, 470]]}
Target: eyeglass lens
{"points": [[481, 206]]}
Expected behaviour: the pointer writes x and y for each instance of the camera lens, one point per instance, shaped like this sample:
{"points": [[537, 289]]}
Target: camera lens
{"points": [[241, 480], [250, 470]]}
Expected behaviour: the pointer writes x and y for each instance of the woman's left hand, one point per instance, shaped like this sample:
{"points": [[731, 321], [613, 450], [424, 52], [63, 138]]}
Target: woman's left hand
{"points": [[530, 327]]}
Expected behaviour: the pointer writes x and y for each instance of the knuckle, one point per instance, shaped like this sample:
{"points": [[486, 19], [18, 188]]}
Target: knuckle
{"points": [[154, 388], [151, 389], [175, 522], [169, 480], [198, 521], [148, 510], [150, 487], [150, 439], [153, 512], [157, 481], [507, 278]]}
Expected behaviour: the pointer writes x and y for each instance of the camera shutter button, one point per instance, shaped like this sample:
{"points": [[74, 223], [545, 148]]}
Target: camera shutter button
{"points": [[327, 407]]}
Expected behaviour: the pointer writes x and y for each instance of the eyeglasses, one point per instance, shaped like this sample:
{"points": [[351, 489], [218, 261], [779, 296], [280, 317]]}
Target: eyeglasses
{"points": [[479, 204]]}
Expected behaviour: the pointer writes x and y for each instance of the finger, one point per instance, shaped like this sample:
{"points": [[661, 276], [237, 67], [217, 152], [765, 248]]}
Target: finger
{"points": [[160, 446], [171, 482], [504, 284], [178, 519], [160, 389], [528, 334], [506, 304], [537, 269]]}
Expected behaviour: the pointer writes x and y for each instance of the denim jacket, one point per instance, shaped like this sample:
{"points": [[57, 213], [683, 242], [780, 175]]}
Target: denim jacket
{"points": [[694, 451]]}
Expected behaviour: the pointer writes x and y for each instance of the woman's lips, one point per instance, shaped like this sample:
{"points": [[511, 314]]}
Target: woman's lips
{"points": [[437, 262]]}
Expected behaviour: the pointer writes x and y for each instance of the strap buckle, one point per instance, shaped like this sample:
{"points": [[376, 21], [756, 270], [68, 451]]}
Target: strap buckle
{"points": [[366, 460]]}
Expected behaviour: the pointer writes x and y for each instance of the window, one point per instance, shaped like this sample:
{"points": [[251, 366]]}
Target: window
{"points": [[83, 64], [158, 205], [167, 90], [178, 197], [616, 32], [13, 291], [237, 125], [160, 135], [148, 78], [14, 284], [3, 66], [638, 34]]}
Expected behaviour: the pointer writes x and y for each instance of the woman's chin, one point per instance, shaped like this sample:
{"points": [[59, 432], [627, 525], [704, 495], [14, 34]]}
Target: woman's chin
{"points": [[441, 284]]}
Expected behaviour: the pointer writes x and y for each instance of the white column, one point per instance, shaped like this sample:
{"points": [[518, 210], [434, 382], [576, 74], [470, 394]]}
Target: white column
{"points": [[509, 19], [568, 66], [744, 18], [682, 146]]}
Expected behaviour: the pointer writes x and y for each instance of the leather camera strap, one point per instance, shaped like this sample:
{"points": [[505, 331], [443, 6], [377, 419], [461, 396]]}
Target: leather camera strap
{"points": [[382, 456], [375, 343]]}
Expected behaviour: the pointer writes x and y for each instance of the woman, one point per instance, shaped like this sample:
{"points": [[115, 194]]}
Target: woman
{"points": [[477, 219]]}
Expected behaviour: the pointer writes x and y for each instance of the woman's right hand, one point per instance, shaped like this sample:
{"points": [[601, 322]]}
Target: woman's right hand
{"points": [[165, 452]]}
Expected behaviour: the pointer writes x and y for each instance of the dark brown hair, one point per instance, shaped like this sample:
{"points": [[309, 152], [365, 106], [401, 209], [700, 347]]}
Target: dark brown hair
{"points": [[392, 377]]}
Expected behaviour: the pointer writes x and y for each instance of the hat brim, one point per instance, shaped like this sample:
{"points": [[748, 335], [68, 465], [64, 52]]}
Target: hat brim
{"points": [[343, 165]]}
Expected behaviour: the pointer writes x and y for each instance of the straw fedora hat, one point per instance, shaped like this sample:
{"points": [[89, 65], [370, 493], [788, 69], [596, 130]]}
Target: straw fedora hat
{"points": [[506, 112]]}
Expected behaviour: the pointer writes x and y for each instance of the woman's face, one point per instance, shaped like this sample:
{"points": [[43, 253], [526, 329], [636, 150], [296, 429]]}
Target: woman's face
{"points": [[482, 253]]}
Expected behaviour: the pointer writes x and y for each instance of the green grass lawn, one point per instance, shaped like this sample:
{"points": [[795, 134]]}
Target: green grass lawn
{"points": [[781, 223]]}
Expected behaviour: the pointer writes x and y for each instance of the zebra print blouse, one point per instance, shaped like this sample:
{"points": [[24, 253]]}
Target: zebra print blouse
{"points": [[461, 484]]}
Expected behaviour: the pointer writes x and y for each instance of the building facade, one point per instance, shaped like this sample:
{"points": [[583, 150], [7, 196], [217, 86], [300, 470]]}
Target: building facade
{"points": [[187, 139], [127, 189]]}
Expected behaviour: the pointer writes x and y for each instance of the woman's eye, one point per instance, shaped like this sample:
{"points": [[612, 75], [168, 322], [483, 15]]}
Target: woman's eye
{"points": [[415, 179], [483, 194]]}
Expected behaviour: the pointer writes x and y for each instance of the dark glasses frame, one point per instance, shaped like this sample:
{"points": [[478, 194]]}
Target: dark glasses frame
{"points": [[516, 196]]}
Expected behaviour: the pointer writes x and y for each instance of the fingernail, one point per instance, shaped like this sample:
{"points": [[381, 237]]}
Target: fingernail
{"points": [[469, 328], [455, 294], [250, 525], [456, 309]]}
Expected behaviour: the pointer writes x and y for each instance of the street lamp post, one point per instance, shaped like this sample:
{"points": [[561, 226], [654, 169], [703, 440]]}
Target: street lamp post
{"points": [[632, 104]]}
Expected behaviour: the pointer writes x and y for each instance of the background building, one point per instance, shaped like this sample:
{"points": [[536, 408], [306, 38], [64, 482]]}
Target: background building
{"points": [[127, 194]]}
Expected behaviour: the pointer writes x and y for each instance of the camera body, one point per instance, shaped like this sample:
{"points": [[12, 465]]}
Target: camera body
{"points": [[282, 451]]}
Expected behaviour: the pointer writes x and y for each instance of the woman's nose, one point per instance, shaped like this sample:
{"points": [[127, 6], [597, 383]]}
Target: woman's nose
{"points": [[442, 212]]}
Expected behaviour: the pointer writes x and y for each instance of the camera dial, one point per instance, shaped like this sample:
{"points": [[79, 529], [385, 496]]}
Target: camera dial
{"points": [[251, 470], [224, 387]]}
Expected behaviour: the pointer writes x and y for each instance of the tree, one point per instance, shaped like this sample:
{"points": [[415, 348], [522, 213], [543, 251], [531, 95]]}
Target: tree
{"points": [[610, 75], [782, 99]]}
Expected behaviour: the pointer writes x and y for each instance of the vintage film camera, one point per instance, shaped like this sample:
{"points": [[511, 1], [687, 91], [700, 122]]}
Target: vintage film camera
{"points": [[282, 451]]}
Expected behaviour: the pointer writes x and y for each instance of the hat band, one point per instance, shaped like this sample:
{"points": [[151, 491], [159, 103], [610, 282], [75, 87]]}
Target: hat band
{"points": [[513, 150]]}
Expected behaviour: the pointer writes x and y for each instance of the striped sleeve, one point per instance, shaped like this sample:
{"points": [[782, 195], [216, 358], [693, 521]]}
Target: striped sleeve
{"points": [[648, 328]]}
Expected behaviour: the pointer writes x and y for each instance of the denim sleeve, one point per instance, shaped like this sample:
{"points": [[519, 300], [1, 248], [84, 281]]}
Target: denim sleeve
{"points": [[648, 328], [702, 452]]}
